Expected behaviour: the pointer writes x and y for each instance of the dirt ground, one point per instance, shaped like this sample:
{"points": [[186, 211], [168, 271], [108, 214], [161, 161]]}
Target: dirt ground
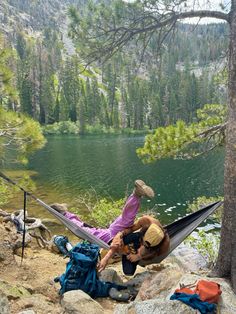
{"points": [[30, 284]]}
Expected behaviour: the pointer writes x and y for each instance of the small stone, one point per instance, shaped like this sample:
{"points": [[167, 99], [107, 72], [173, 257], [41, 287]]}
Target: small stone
{"points": [[110, 275]]}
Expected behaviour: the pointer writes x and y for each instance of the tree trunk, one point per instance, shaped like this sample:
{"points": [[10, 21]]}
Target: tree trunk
{"points": [[226, 263], [42, 115]]}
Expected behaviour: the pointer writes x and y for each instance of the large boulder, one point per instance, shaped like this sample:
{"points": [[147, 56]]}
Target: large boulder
{"points": [[154, 306], [36, 303], [156, 289], [159, 284], [78, 302], [227, 301], [187, 258], [139, 278]]}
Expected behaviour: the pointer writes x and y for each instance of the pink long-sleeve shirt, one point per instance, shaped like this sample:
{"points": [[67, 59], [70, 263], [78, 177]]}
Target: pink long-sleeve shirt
{"points": [[125, 220]]}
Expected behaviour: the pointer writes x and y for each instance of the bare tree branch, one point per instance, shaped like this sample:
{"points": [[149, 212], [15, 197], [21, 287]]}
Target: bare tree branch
{"points": [[215, 129], [104, 42]]}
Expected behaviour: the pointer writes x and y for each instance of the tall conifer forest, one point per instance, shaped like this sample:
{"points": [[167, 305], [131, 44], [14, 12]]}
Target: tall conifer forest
{"points": [[139, 88]]}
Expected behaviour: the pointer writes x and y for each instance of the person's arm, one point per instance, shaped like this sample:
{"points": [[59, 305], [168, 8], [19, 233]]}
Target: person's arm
{"points": [[114, 248], [103, 263]]}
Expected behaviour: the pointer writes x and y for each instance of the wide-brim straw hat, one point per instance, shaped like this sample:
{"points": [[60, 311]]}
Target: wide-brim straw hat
{"points": [[144, 189], [154, 235]]}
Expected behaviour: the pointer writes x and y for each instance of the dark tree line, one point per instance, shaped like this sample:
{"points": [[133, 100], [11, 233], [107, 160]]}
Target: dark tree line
{"points": [[123, 93]]}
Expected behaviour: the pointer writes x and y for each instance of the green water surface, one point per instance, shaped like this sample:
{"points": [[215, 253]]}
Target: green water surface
{"points": [[68, 166]]}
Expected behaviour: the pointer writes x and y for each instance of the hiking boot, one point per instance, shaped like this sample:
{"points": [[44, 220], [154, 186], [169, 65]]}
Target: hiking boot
{"points": [[132, 292], [122, 295], [60, 208], [61, 243]]}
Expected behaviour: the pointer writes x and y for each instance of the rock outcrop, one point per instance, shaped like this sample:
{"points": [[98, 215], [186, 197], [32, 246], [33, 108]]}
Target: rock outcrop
{"points": [[29, 288], [78, 302]]}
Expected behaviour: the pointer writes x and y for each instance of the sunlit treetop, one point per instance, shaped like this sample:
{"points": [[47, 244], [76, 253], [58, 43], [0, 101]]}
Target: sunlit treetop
{"points": [[181, 141]]}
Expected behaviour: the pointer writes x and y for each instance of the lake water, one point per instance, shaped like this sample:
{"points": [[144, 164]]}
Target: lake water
{"points": [[68, 166]]}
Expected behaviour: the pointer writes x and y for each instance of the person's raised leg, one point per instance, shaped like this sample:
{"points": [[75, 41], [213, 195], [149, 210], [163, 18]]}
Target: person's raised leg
{"points": [[62, 209]]}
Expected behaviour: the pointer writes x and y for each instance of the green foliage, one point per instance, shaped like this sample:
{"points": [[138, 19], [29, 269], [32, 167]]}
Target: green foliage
{"points": [[221, 78], [207, 245], [7, 89], [105, 27], [102, 211], [20, 134], [211, 114], [9, 191], [98, 129], [69, 127], [120, 94], [63, 127], [182, 140], [203, 201], [154, 94], [5, 192], [105, 211]]}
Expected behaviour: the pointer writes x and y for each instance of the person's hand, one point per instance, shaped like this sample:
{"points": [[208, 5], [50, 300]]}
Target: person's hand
{"points": [[102, 264], [133, 257]]}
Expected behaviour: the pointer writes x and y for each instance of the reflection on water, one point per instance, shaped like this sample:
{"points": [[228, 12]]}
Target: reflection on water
{"points": [[70, 165]]}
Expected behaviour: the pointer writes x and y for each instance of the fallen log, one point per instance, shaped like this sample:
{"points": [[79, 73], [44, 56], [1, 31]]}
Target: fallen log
{"points": [[33, 226]]}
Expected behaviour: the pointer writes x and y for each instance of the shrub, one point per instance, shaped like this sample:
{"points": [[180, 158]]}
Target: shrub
{"points": [[96, 129], [105, 211], [8, 191], [203, 201], [102, 211], [207, 244], [5, 193], [62, 127]]}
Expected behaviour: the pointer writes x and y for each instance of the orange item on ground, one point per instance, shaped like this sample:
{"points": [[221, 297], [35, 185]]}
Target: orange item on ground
{"points": [[208, 291]]}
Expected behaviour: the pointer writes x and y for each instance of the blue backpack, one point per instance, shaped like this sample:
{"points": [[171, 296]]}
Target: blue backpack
{"points": [[81, 272]]}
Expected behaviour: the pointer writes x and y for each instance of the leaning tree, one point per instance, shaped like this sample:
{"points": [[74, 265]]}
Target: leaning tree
{"points": [[105, 27], [17, 131]]}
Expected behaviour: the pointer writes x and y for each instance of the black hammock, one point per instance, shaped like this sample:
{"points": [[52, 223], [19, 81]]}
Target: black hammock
{"points": [[181, 229], [177, 230]]}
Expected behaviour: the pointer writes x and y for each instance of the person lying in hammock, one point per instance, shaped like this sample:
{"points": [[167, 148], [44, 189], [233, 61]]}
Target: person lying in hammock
{"points": [[151, 240], [125, 220]]}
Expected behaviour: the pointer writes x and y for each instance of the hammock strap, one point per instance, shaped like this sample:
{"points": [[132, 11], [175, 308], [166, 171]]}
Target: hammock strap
{"points": [[78, 231], [24, 228]]}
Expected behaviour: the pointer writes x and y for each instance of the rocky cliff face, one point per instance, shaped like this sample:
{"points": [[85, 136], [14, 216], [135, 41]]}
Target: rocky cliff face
{"points": [[31, 16]]}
